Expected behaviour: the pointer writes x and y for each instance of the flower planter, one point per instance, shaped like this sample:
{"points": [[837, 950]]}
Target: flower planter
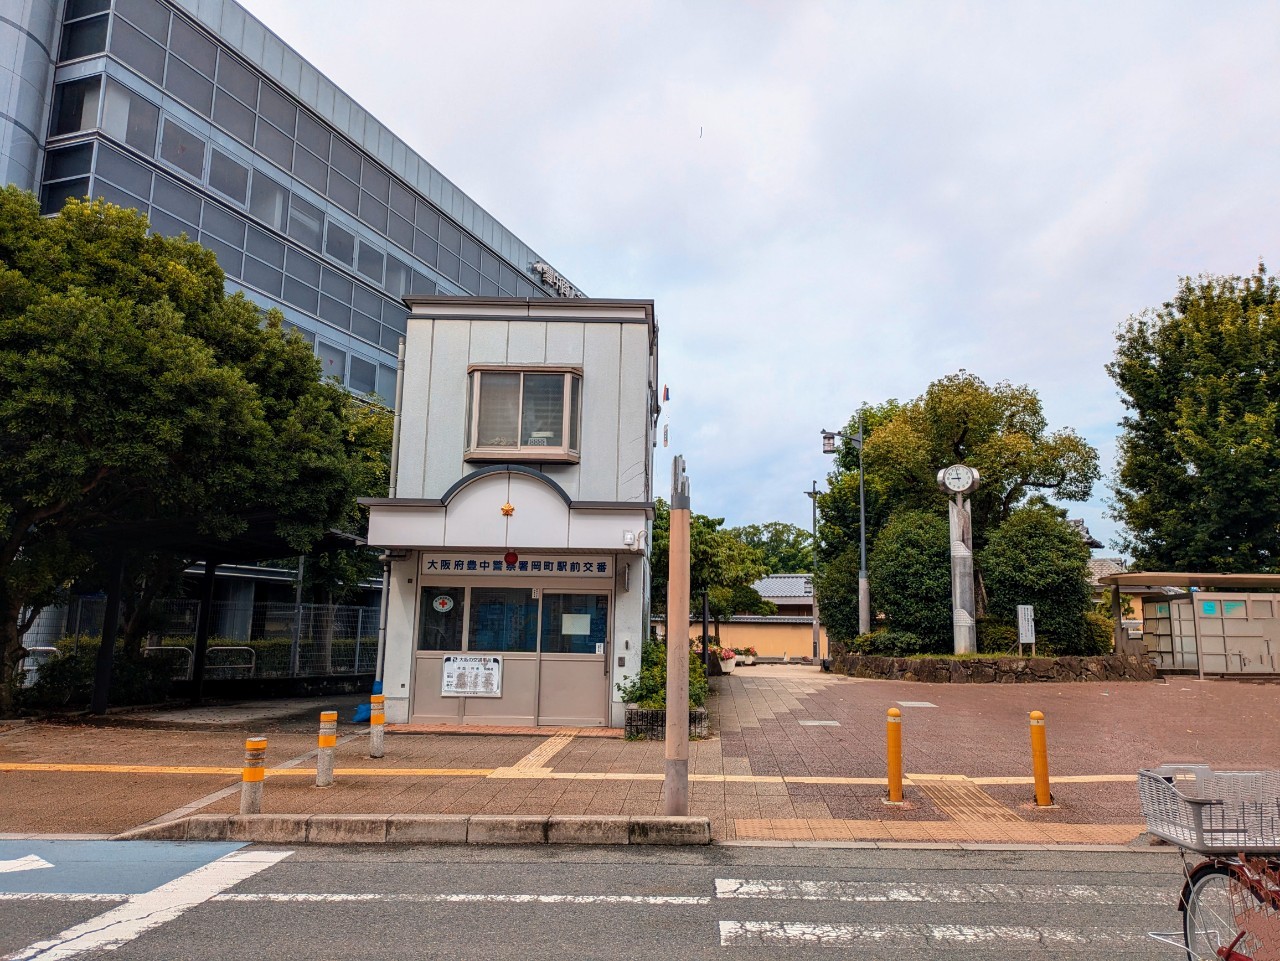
{"points": [[748, 660], [727, 664]]}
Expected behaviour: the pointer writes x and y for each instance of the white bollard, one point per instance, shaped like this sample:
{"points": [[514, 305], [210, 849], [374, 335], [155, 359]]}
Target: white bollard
{"points": [[377, 722], [324, 755]]}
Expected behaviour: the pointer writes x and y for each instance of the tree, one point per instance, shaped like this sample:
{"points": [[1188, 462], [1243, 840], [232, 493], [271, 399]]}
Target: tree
{"points": [[1199, 450], [134, 391], [718, 562], [1036, 558], [786, 549], [1001, 430], [910, 574]]}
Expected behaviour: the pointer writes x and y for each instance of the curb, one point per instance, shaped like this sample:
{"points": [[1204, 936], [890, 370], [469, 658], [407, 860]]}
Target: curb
{"points": [[427, 829]]}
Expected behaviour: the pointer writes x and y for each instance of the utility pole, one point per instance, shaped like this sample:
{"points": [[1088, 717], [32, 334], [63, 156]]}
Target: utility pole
{"points": [[676, 774], [864, 589], [817, 629]]}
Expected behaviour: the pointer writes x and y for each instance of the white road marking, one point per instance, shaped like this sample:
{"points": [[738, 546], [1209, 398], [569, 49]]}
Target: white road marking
{"points": [[473, 898], [774, 933], [59, 896], [786, 890], [142, 912], [30, 863]]}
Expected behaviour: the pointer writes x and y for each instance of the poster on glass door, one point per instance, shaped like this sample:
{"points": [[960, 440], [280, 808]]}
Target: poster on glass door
{"points": [[471, 675]]}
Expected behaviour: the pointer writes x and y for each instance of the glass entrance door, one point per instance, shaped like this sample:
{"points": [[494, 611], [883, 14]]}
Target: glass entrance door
{"points": [[573, 685]]}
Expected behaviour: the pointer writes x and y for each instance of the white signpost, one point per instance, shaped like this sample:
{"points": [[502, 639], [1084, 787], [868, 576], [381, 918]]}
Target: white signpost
{"points": [[471, 675], [1027, 627]]}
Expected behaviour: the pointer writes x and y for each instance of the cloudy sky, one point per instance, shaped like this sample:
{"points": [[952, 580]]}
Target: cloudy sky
{"points": [[839, 202]]}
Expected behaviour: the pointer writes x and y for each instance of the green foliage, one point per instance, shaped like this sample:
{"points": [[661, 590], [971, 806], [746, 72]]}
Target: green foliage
{"points": [[1001, 430], [1098, 637], [1200, 448], [134, 393], [785, 548], [648, 689], [910, 577], [65, 681], [890, 643], [1037, 558], [717, 559], [838, 596], [997, 637]]}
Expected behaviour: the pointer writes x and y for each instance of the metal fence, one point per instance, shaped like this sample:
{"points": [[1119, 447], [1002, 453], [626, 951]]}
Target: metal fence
{"points": [[245, 640]]}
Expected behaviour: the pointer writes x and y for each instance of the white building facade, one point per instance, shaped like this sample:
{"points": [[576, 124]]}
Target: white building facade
{"points": [[521, 511]]}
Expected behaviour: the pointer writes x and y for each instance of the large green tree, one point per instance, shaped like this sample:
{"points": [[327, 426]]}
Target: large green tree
{"points": [[719, 563], [1037, 558], [786, 549], [132, 391], [910, 574], [1200, 448], [1000, 429]]}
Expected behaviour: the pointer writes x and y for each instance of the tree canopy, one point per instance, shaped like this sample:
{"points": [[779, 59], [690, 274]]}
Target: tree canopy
{"points": [[133, 390], [999, 429], [719, 563], [910, 577], [786, 549], [1200, 446]]}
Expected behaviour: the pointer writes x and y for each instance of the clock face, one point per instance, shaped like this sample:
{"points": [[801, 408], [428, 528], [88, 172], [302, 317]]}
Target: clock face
{"points": [[958, 478]]}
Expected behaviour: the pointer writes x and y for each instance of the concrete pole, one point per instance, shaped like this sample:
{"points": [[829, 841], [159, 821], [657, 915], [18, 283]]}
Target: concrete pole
{"points": [[962, 600], [864, 589], [817, 627], [325, 743], [676, 774], [255, 760]]}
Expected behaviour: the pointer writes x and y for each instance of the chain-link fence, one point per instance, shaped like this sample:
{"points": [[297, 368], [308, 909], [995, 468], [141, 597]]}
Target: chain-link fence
{"points": [[245, 640]]}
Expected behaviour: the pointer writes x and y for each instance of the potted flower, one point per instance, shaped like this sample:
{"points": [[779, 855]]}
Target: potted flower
{"points": [[747, 655], [728, 658]]}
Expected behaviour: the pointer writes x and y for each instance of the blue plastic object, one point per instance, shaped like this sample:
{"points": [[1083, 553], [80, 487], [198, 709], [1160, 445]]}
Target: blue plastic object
{"points": [[362, 713]]}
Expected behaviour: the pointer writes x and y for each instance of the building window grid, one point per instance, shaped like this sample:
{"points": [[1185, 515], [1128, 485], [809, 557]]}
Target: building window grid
{"points": [[383, 186], [280, 107]]}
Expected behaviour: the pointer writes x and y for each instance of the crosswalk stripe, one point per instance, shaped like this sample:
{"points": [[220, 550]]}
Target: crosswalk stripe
{"points": [[374, 896], [879, 891], [1015, 937]]}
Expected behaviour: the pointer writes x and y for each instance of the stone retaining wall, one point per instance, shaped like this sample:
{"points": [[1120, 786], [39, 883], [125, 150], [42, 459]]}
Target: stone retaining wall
{"points": [[995, 670]]}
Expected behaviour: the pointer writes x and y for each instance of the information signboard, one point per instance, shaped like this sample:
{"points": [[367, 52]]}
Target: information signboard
{"points": [[1027, 625], [471, 675]]}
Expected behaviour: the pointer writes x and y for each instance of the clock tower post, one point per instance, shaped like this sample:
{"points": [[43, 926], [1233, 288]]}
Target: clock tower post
{"points": [[959, 480]]}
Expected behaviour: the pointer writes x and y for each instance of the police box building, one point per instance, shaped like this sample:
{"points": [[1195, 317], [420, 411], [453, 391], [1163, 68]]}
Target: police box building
{"points": [[521, 509]]}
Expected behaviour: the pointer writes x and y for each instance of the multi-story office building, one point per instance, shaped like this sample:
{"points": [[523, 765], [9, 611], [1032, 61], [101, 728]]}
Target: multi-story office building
{"points": [[195, 113]]}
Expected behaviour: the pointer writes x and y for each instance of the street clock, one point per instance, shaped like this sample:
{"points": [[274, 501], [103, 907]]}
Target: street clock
{"points": [[958, 479]]}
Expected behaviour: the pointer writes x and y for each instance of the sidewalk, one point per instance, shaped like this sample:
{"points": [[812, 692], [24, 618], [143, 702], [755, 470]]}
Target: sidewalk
{"points": [[795, 756]]}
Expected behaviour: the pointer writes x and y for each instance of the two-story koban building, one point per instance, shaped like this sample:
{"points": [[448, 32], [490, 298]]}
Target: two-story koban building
{"points": [[522, 509]]}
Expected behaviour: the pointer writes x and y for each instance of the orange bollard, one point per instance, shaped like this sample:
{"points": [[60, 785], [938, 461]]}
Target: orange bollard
{"points": [[893, 731], [255, 759], [1040, 760]]}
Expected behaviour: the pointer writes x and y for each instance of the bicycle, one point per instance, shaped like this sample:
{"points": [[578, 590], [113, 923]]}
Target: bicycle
{"points": [[1230, 903]]}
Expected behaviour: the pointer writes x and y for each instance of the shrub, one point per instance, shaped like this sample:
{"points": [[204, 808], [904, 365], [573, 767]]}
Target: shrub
{"points": [[66, 680], [997, 637], [1099, 635], [1036, 558], [648, 689], [910, 573], [889, 643]]}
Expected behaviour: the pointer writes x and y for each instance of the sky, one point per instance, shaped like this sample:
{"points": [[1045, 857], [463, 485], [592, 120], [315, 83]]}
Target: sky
{"points": [[834, 203]]}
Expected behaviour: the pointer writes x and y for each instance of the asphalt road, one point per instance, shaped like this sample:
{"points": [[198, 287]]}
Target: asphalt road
{"points": [[164, 902]]}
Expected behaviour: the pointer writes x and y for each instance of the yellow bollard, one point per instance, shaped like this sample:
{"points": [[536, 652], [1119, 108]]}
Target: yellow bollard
{"points": [[325, 742], [893, 729], [251, 777], [1040, 760], [377, 718]]}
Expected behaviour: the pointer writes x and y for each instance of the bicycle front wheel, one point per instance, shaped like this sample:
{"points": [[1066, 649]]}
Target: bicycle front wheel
{"points": [[1216, 903]]}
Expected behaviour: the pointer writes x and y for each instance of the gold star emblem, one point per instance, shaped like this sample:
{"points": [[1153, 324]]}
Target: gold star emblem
{"points": [[508, 509]]}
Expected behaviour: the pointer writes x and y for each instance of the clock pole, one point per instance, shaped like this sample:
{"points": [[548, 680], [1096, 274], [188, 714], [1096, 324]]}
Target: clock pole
{"points": [[961, 480]]}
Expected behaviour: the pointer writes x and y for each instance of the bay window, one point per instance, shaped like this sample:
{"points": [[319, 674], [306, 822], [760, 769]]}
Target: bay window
{"points": [[525, 414]]}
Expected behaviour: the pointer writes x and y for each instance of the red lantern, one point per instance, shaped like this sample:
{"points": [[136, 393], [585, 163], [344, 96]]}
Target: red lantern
{"points": [[510, 558]]}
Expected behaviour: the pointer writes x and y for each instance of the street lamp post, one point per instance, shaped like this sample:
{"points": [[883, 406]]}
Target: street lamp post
{"points": [[864, 589], [813, 591]]}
